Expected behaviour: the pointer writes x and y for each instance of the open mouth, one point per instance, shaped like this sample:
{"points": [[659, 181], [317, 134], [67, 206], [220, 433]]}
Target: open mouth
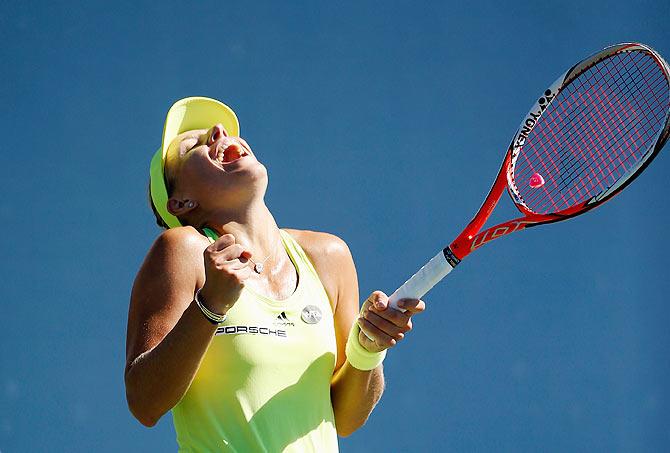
{"points": [[229, 153]]}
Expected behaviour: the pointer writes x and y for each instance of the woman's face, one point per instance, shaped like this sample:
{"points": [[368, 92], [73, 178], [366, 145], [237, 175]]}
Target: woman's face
{"points": [[214, 169]]}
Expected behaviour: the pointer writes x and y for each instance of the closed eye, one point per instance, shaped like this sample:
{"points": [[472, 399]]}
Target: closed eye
{"points": [[189, 144]]}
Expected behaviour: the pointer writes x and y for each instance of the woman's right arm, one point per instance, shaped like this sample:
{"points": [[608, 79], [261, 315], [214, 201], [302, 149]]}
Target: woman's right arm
{"points": [[167, 334]]}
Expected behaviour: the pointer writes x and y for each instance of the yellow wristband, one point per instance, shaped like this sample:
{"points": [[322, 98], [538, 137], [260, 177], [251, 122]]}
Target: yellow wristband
{"points": [[359, 357]]}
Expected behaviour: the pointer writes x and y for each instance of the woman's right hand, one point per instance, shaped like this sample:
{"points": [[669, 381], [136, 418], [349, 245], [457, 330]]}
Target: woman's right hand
{"points": [[226, 268]]}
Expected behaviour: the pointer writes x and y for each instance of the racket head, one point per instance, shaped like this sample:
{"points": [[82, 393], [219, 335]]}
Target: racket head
{"points": [[590, 133]]}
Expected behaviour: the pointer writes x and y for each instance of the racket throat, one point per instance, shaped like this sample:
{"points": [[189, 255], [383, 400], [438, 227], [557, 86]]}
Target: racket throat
{"points": [[465, 242]]}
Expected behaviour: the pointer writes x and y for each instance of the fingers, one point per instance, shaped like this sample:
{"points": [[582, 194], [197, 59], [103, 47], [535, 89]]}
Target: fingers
{"points": [[232, 252], [226, 249], [382, 325], [221, 243], [389, 328], [226, 269], [398, 318], [377, 299], [372, 338], [412, 305], [378, 304]]}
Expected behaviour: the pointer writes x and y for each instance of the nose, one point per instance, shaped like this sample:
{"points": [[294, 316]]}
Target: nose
{"points": [[217, 132]]}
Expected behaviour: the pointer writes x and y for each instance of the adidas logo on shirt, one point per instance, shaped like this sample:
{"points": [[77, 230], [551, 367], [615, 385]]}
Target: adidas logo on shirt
{"points": [[282, 320]]}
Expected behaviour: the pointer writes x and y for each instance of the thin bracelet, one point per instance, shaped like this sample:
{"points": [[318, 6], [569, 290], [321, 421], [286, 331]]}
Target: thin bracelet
{"points": [[212, 317]]}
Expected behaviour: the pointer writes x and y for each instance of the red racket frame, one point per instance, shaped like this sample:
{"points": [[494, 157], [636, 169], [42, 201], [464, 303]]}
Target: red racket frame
{"points": [[472, 238]]}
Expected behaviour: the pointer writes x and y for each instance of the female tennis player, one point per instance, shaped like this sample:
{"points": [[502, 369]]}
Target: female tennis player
{"points": [[249, 333]]}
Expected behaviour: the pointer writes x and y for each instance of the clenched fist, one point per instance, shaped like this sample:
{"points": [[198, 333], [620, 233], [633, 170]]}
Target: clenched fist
{"points": [[226, 269]]}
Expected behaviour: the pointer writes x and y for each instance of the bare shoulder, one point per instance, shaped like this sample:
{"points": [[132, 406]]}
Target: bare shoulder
{"points": [[182, 241], [173, 262]]}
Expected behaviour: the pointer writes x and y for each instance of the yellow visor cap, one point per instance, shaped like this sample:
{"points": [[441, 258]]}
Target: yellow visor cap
{"points": [[185, 115]]}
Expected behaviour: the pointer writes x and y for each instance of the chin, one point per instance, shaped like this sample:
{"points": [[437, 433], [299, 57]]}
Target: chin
{"points": [[261, 179], [260, 172], [249, 185]]}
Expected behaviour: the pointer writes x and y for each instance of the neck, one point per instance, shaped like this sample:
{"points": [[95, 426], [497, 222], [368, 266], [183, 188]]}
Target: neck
{"points": [[254, 227]]}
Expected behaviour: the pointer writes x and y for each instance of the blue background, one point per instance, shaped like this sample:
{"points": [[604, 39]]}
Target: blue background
{"points": [[381, 122]]}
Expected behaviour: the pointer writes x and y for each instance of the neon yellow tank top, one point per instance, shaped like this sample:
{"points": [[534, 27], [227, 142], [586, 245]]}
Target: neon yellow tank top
{"points": [[264, 383]]}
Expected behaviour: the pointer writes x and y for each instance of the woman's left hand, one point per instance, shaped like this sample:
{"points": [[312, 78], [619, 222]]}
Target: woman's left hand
{"points": [[382, 326]]}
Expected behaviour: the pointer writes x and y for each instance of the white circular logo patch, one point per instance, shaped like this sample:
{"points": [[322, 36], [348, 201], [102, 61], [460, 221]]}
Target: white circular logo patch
{"points": [[311, 314]]}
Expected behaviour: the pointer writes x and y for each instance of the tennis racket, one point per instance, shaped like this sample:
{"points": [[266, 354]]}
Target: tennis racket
{"points": [[590, 134]]}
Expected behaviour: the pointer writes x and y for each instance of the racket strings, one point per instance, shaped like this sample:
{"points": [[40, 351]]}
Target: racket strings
{"points": [[572, 162], [603, 171], [573, 125], [628, 139], [567, 164], [571, 167], [611, 140], [594, 132]]}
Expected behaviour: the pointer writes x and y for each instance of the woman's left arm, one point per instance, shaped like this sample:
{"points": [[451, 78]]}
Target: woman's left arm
{"points": [[355, 393]]}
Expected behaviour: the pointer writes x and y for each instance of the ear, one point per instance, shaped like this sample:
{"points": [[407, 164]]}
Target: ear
{"points": [[180, 207]]}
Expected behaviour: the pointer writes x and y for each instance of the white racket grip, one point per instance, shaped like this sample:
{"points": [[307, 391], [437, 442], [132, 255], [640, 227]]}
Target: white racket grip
{"points": [[421, 282]]}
